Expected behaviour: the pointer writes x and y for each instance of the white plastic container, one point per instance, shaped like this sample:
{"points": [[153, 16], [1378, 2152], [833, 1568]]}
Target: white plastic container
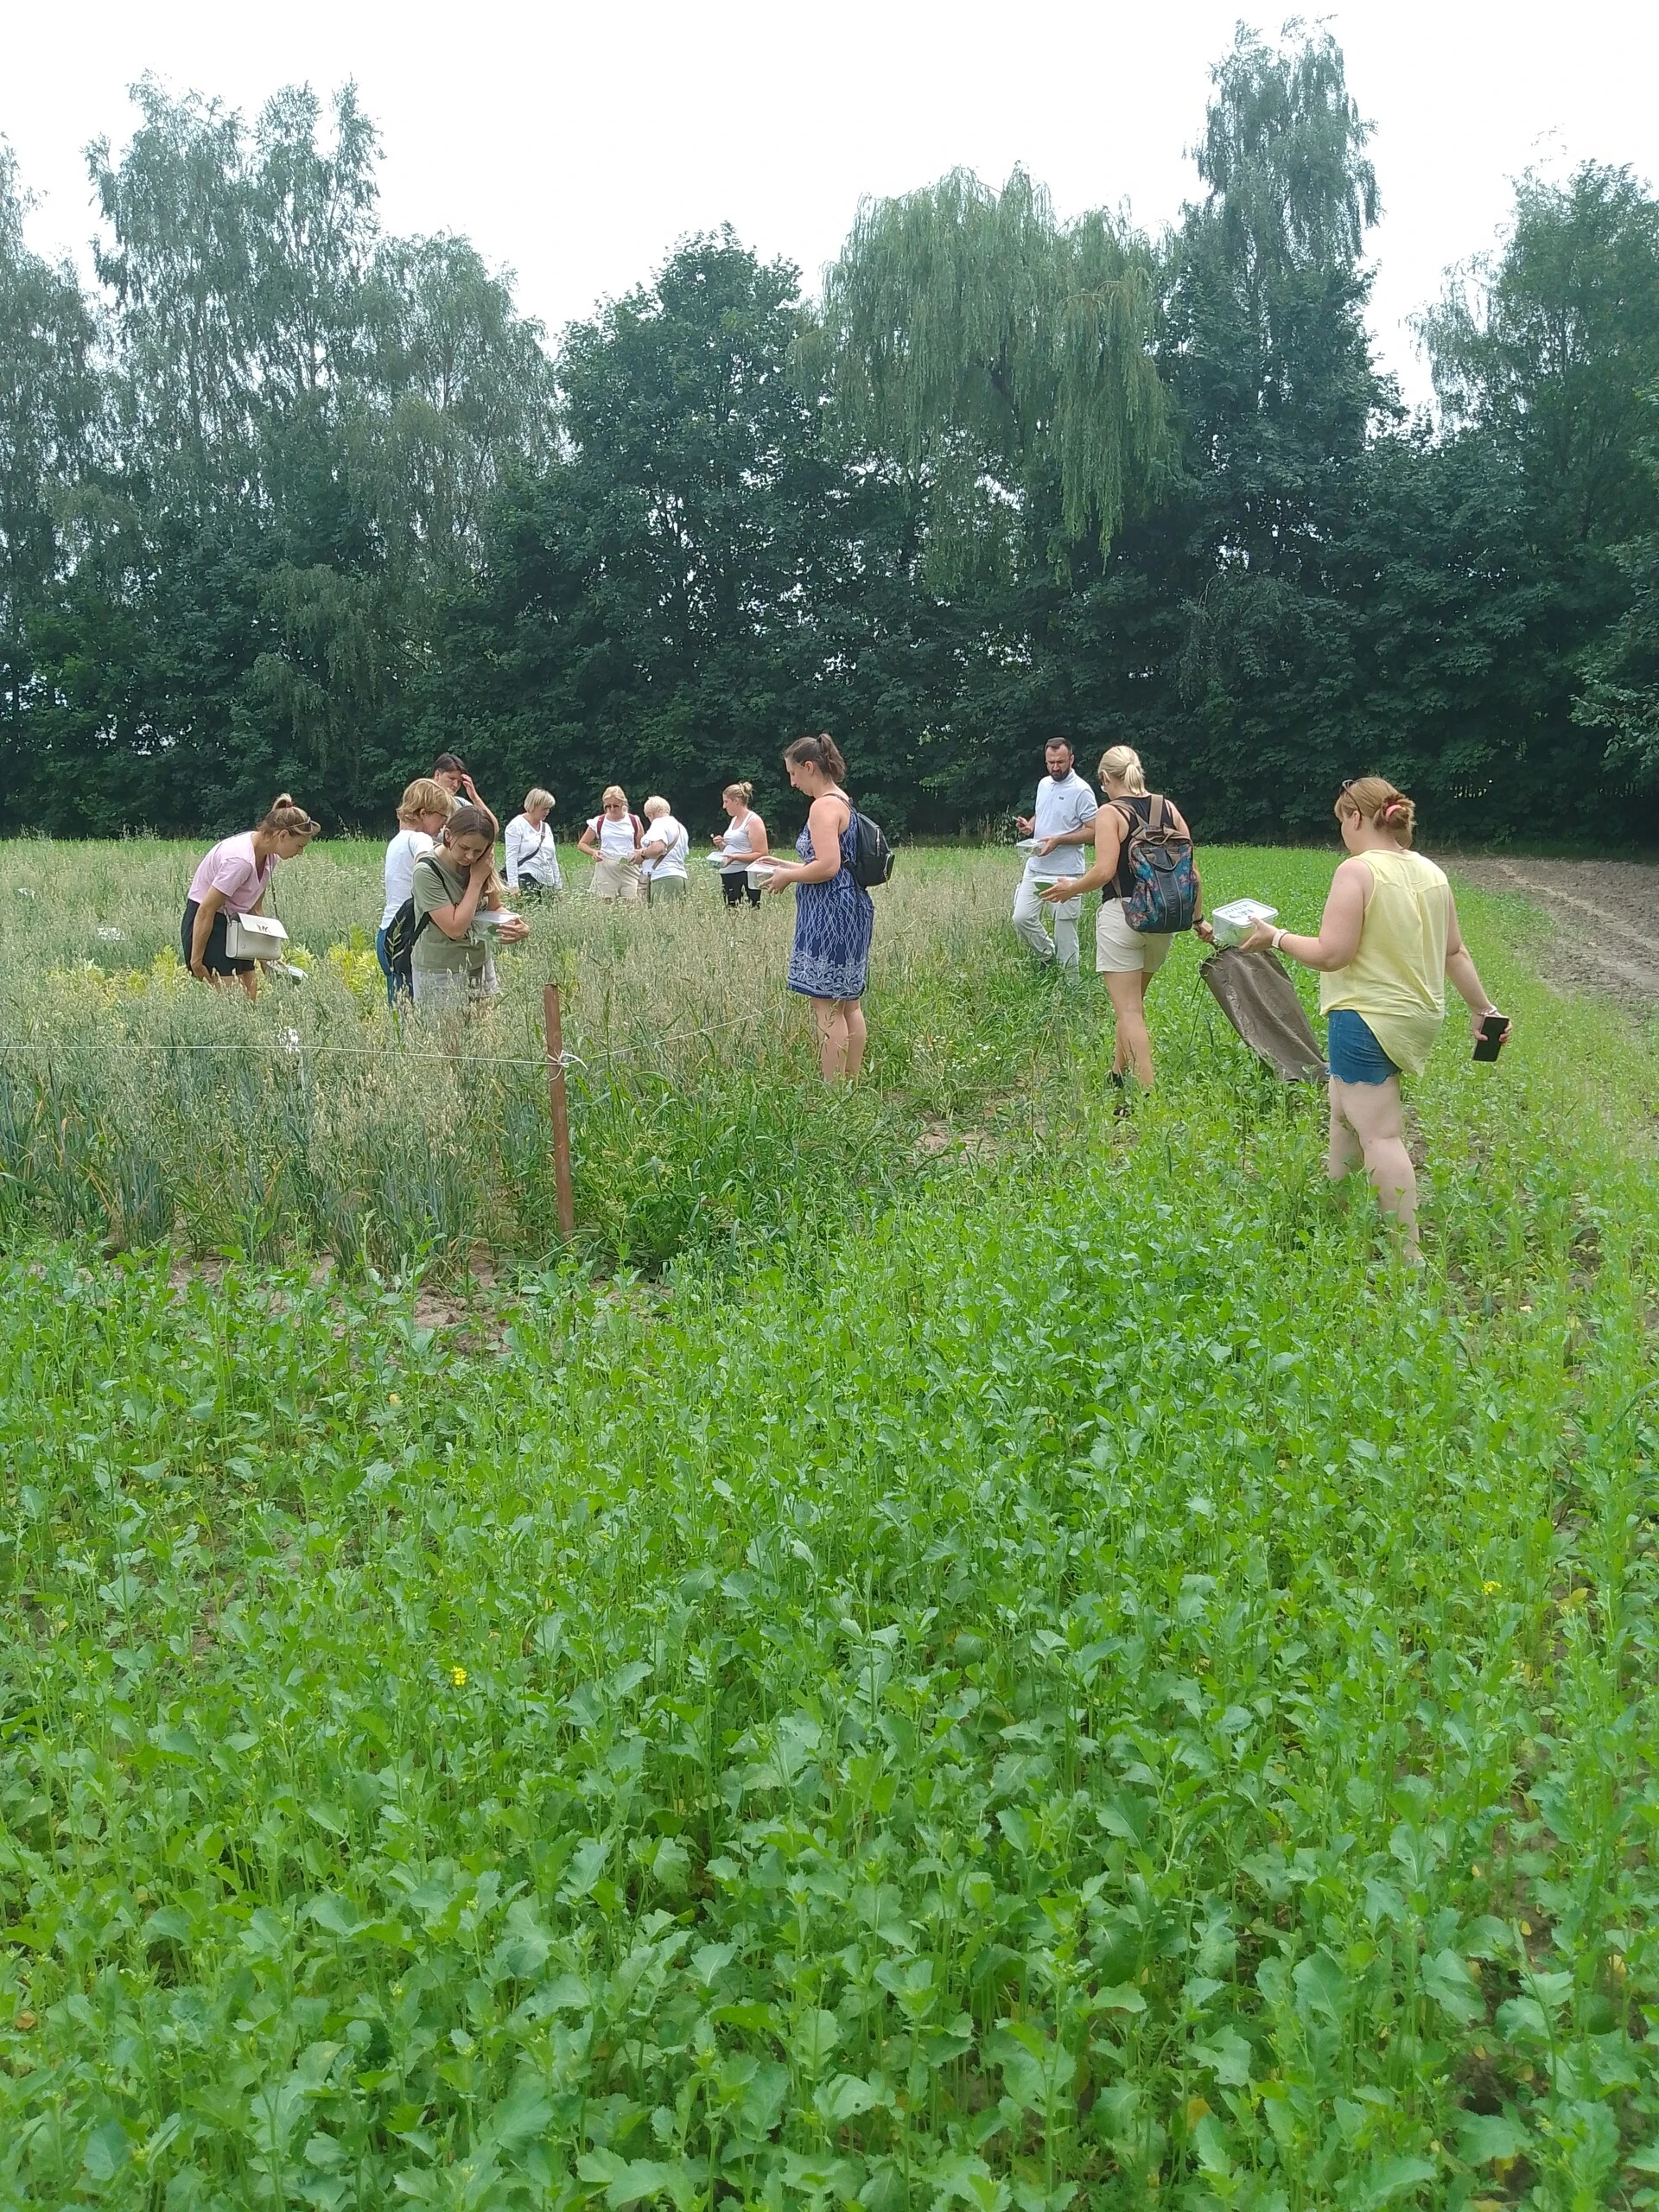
{"points": [[1234, 922], [759, 874]]}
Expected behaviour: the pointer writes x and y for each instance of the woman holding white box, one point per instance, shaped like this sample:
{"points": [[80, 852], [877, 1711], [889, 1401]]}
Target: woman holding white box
{"points": [[457, 903], [1129, 959], [232, 878]]}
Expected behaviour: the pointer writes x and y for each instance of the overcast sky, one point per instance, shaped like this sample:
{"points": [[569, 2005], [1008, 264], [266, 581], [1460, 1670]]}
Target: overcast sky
{"points": [[575, 143]]}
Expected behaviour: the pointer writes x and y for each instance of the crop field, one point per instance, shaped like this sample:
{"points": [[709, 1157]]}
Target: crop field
{"points": [[955, 1650]]}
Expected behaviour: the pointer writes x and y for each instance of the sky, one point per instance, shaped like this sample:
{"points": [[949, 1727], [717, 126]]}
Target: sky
{"points": [[575, 143]]}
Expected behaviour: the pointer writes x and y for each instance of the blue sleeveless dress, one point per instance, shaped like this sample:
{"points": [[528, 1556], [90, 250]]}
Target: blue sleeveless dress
{"points": [[834, 922]]}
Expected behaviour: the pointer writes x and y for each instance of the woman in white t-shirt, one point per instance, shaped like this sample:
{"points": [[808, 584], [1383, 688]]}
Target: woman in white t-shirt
{"points": [[423, 811], [532, 862], [746, 841], [666, 844], [612, 838]]}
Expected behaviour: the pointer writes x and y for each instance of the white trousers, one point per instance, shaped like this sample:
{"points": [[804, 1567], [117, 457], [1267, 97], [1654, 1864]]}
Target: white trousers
{"points": [[1028, 911]]}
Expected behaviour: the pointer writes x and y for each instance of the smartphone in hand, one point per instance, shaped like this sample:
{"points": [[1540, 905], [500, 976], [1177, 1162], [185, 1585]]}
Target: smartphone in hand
{"points": [[1493, 1031]]}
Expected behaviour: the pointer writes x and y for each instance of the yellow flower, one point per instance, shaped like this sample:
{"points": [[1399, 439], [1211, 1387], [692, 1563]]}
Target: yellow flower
{"points": [[1488, 1588], [458, 1676], [394, 1400]]}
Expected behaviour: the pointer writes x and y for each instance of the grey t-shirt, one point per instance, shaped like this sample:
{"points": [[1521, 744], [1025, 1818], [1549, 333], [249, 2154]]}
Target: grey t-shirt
{"points": [[439, 883]]}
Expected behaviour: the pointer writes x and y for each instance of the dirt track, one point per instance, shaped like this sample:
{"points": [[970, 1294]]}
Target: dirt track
{"points": [[1607, 918]]}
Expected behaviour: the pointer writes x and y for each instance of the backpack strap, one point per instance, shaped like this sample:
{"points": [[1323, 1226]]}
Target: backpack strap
{"points": [[424, 921]]}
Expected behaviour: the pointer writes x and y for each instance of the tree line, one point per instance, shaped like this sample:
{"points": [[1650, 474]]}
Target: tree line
{"points": [[289, 503]]}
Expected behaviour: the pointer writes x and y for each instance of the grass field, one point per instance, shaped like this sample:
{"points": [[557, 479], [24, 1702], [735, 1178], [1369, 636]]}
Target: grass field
{"points": [[988, 1656]]}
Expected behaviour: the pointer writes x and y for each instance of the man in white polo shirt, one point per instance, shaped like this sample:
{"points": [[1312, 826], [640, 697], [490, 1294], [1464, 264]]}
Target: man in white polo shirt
{"points": [[1063, 824]]}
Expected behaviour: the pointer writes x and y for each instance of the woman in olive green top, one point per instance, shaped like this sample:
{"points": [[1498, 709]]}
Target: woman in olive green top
{"points": [[450, 963], [1388, 941]]}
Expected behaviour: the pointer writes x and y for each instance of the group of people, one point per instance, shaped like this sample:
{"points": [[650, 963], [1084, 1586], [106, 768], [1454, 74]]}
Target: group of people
{"points": [[1388, 942], [443, 893], [636, 860]]}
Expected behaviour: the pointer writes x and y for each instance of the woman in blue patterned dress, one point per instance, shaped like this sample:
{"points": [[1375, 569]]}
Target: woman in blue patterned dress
{"points": [[833, 914]]}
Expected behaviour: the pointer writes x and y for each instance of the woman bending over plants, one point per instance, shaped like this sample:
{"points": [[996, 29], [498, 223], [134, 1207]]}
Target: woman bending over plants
{"points": [[232, 878]]}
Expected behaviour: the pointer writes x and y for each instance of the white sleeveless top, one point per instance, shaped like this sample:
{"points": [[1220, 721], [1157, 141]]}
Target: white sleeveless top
{"points": [[739, 845], [615, 838]]}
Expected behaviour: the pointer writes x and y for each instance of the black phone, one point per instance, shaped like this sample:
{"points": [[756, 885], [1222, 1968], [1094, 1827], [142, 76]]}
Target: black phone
{"points": [[1494, 1029]]}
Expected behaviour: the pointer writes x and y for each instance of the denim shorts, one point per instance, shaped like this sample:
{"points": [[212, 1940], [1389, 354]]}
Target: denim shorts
{"points": [[1353, 1052]]}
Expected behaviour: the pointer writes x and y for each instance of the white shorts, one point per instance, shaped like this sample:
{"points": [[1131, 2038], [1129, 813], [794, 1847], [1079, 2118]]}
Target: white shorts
{"points": [[616, 880], [1120, 951]]}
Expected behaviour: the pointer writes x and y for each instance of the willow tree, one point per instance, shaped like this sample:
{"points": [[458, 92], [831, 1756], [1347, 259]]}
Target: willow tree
{"points": [[1004, 359]]}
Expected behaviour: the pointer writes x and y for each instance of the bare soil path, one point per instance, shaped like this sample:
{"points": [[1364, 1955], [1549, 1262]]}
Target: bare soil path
{"points": [[1607, 918]]}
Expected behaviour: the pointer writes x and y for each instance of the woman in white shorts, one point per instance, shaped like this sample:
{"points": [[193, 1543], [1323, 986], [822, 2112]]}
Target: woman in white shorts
{"points": [[1128, 958], [614, 839]]}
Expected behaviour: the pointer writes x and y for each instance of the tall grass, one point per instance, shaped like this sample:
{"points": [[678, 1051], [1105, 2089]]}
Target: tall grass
{"points": [[139, 1106]]}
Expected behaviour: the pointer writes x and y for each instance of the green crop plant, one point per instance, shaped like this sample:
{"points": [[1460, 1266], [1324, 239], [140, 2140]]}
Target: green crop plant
{"points": [[1074, 1681]]}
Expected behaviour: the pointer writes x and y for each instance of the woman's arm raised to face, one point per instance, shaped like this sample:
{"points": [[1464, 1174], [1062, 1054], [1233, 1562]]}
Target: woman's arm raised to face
{"points": [[455, 920]]}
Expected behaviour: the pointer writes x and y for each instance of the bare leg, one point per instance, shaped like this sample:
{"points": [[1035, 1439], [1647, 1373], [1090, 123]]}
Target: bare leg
{"points": [[250, 982], [853, 1014], [1346, 1151], [1373, 1111], [1134, 1046], [831, 1017]]}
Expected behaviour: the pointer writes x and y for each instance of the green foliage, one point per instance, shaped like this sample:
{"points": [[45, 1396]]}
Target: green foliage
{"points": [[1015, 1703], [306, 422], [294, 505], [971, 333], [136, 1107], [649, 609], [1621, 689], [1553, 347], [49, 420]]}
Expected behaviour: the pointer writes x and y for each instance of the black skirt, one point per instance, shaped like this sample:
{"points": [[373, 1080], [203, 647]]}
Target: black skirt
{"points": [[215, 960]]}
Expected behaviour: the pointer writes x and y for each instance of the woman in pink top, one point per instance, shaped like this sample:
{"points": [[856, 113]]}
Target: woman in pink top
{"points": [[232, 879]]}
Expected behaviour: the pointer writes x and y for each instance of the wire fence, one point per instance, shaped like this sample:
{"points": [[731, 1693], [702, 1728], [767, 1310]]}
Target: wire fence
{"points": [[297, 1047]]}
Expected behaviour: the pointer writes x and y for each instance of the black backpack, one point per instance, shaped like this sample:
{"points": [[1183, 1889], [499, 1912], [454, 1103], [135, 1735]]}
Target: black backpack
{"points": [[872, 856], [403, 932]]}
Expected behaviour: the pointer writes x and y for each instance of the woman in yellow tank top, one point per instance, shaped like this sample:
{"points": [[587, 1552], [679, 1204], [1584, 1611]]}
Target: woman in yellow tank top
{"points": [[1387, 940]]}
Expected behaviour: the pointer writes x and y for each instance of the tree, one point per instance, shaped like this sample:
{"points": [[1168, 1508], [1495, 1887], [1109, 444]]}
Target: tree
{"points": [[650, 607], [1552, 347], [1004, 360], [50, 405], [1621, 669], [309, 420], [1218, 632]]}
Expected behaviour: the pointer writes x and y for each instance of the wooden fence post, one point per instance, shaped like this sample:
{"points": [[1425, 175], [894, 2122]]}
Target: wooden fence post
{"points": [[564, 1196]]}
